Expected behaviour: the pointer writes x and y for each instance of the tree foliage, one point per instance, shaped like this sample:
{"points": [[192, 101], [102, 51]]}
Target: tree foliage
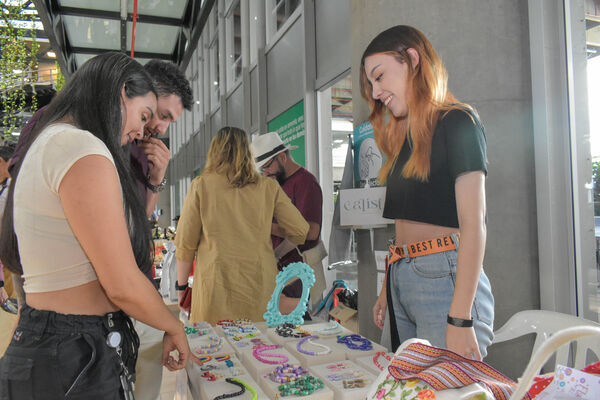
{"points": [[596, 180], [18, 60]]}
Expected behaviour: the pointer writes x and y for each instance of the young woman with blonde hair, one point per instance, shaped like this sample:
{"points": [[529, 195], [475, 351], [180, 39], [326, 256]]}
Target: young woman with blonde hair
{"points": [[226, 220], [435, 173]]}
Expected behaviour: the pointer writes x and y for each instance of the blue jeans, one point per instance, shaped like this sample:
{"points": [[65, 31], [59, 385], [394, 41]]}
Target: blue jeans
{"points": [[421, 292]]}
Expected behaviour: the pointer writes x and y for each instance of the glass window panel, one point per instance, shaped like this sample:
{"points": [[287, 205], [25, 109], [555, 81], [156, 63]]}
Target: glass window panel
{"points": [[592, 15], [283, 10], [91, 4], [153, 38], [93, 32], [162, 8]]}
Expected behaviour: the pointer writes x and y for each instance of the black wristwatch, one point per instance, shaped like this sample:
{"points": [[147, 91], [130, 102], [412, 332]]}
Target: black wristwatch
{"points": [[1, 284], [156, 188], [459, 322], [179, 287]]}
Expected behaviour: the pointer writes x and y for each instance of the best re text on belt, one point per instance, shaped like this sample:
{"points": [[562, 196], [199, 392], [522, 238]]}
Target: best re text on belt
{"points": [[421, 248]]}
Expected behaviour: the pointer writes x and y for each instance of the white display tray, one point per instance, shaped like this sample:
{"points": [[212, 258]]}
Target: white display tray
{"points": [[367, 363], [308, 360], [332, 375], [271, 390]]}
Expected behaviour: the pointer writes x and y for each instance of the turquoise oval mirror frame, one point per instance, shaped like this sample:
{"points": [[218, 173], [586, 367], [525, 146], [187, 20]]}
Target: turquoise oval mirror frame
{"points": [[304, 272]]}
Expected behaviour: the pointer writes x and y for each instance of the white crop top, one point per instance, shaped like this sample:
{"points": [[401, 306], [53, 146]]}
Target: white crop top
{"points": [[51, 255]]}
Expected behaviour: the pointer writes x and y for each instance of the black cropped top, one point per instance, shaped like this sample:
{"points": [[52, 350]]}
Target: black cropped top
{"points": [[458, 146]]}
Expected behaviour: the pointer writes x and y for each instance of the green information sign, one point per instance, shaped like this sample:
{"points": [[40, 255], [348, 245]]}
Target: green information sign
{"points": [[290, 127]]}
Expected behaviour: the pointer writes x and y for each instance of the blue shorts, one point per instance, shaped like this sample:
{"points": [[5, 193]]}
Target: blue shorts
{"points": [[421, 291]]}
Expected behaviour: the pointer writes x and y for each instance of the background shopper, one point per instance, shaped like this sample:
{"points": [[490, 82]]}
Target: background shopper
{"points": [[226, 219]]}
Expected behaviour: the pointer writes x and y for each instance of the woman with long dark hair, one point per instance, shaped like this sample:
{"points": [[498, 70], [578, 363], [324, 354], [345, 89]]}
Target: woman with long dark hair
{"points": [[435, 172], [75, 228]]}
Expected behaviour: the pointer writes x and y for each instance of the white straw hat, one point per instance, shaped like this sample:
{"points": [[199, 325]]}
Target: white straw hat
{"points": [[267, 146]]}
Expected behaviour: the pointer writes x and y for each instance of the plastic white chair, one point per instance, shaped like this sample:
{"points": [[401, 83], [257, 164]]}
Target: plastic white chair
{"points": [[582, 333], [544, 324]]}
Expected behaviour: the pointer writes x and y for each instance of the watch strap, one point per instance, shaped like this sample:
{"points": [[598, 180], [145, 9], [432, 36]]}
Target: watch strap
{"points": [[459, 322], [156, 188], [180, 287]]}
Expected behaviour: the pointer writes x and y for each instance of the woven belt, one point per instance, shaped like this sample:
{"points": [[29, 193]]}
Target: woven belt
{"points": [[422, 248]]}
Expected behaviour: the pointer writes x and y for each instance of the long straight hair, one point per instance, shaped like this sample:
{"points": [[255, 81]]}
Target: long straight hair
{"points": [[91, 100], [229, 154], [428, 99]]}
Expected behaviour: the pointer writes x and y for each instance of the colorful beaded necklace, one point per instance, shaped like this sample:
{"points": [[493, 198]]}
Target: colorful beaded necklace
{"points": [[290, 330], [215, 345], [349, 340], [333, 329], [376, 357], [301, 387], [259, 354], [312, 353], [233, 381], [287, 373]]}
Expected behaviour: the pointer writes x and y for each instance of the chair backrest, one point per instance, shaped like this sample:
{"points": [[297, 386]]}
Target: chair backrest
{"points": [[544, 324], [581, 333]]}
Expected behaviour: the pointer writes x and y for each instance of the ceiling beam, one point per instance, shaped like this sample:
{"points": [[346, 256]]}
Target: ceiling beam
{"points": [[47, 21], [196, 28], [116, 15], [138, 54]]}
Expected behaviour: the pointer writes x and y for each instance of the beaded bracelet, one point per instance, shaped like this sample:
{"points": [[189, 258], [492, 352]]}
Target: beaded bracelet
{"points": [[302, 386], [333, 329], [376, 356], [258, 354], [312, 353], [233, 381], [289, 330], [287, 373], [349, 340], [354, 383], [250, 388], [352, 374], [213, 347]]}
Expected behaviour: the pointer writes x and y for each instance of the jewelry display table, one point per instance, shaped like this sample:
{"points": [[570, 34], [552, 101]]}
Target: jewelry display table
{"points": [[234, 358]]}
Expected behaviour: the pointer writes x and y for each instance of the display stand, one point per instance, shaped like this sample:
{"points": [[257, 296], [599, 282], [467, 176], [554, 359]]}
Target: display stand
{"points": [[367, 363], [348, 380], [271, 390], [210, 390], [259, 368], [309, 360]]}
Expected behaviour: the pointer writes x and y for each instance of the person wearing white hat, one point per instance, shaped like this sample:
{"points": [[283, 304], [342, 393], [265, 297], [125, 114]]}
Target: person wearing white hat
{"points": [[274, 160]]}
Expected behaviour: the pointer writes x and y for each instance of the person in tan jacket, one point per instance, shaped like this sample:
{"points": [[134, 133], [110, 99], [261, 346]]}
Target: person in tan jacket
{"points": [[226, 220]]}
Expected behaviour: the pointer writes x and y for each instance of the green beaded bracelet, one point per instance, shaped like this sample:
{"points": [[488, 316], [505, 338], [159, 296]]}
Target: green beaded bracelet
{"points": [[302, 386], [250, 388]]}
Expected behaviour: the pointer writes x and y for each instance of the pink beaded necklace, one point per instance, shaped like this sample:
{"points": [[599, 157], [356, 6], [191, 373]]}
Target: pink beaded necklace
{"points": [[258, 353]]}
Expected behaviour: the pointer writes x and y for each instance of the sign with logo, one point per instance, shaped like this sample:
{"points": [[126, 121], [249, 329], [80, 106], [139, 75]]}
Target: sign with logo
{"points": [[368, 159], [290, 127], [363, 207]]}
